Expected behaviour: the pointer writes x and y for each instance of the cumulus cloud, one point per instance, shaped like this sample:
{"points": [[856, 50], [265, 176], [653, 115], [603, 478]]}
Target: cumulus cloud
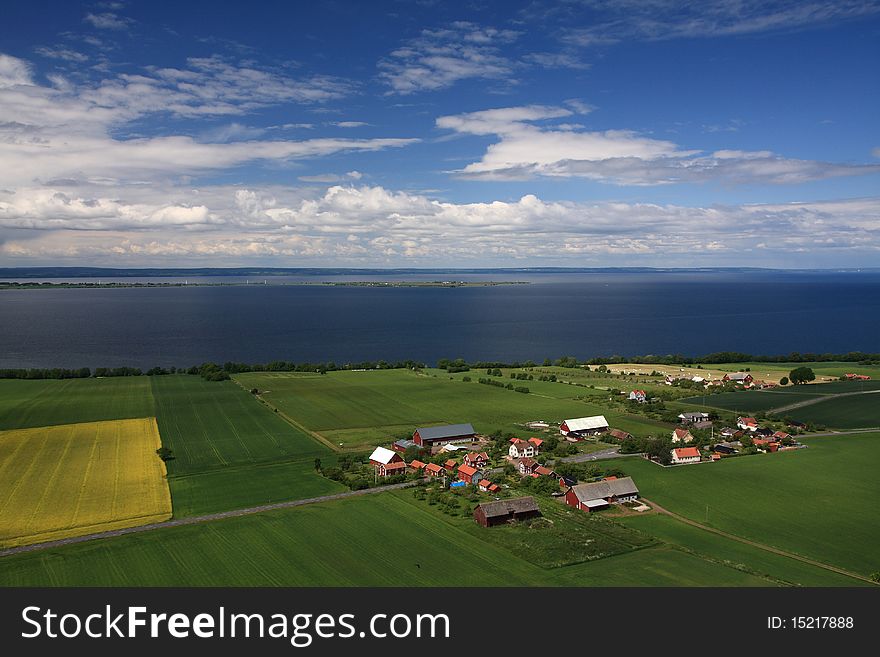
{"points": [[437, 59], [528, 148], [372, 226]]}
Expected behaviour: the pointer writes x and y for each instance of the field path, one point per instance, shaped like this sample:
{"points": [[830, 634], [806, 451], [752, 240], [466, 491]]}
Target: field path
{"points": [[761, 546], [818, 400], [194, 520], [284, 416]]}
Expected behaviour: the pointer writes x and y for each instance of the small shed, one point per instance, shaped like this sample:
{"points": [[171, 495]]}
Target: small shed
{"points": [[490, 514]]}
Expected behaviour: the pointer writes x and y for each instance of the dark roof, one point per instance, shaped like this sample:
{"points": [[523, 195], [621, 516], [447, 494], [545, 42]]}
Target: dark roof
{"points": [[605, 489], [507, 507], [405, 444], [446, 431]]}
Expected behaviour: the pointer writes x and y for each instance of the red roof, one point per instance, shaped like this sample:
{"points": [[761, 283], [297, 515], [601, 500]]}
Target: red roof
{"points": [[493, 487], [686, 452], [450, 463], [433, 467], [485, 483], [541, 470], [681, 433], [418, 465], [611, 478], [537, 442], [467, 470], [748, 420], [397, 465], [639, 392]]}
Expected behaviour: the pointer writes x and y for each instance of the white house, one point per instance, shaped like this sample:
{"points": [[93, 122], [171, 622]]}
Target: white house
{"points": [[521, 449], [638, 396], [685, 455], [747, 423]]}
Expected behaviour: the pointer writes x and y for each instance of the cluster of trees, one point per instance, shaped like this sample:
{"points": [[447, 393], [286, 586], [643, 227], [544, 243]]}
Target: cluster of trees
{"points": [[38, 373], [452, 366], [522, 376], [500, 384], [801, 375], [322, 367]]}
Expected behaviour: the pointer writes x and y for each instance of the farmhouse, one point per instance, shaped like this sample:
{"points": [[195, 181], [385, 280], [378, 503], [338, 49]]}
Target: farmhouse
{"points": [[682, 436], [685, 455], [747, 423], [416, 465], [386, 462], [522, 449], [638, 396], [619, 434], [434, 470], [583, 426], [857, 377], [600, 494], [468, 474], [693, 418], [527, 466], [742, 378], [476, 460], [490, 514], [449, 433]]}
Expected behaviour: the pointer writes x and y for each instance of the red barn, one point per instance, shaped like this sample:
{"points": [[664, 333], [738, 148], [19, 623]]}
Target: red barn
{"points": [[468, 474], [450, 433]]}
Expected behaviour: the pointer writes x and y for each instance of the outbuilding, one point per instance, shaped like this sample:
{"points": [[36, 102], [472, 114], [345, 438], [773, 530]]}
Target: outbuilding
{"points": [[448, 433], [490, 514]]}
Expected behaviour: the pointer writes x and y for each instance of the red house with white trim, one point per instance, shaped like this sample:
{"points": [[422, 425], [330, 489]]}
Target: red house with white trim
{"points": [[386, 462]]}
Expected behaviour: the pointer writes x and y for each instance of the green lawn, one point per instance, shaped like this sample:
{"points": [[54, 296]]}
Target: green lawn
{"points": [[380, 540], [41, 403], [213, 425], [362, 408], [820, 502]]}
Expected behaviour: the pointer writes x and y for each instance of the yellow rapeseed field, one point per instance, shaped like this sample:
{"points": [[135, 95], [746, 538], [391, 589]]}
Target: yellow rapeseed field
{"points": [[75, 479]]}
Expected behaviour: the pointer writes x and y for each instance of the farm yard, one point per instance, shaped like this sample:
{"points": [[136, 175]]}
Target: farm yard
{"points": [[74, 479]]}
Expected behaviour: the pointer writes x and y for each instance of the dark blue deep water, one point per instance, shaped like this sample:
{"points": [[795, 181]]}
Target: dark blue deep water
{"points": [[582, 315]]}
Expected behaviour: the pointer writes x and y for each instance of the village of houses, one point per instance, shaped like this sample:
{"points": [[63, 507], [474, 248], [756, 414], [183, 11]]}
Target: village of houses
{"points": [[467, 462]]}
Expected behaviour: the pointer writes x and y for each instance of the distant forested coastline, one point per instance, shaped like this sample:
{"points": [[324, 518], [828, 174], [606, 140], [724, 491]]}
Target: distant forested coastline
{"points": [[218, 372]]}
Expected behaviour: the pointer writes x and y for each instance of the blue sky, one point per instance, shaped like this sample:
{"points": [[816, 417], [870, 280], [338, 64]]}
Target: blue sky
{"points": [[419, 133]]}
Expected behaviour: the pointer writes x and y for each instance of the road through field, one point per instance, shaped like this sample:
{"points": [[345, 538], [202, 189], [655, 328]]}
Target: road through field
{"points": [[761, 546], [200, 519], [817, 400]]}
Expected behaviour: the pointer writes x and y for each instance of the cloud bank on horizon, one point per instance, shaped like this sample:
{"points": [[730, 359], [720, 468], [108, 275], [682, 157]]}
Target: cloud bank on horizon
{"points": [[583, 133]]}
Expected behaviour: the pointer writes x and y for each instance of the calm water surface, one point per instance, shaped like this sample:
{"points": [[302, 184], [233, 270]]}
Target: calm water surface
{"points": [[582, 315]]}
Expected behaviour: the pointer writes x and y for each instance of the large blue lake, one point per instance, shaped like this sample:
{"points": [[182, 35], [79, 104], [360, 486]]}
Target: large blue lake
{"points": [[583, 315]]}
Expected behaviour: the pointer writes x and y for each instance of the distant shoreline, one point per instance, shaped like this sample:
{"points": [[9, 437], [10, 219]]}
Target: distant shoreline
{"points": [[13, 285]]}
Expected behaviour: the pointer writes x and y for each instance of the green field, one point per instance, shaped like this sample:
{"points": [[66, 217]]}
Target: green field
{"points": [[382, 540], [850, 412], [41, 403], [820, 502], [734, 554], [359, 409], [211, 425], [244, 486]]}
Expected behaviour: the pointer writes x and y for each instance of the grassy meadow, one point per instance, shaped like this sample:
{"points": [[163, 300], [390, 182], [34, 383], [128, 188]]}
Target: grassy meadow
{"points": [[381, 540], [819, 502], [75, 479], [359, 409]]}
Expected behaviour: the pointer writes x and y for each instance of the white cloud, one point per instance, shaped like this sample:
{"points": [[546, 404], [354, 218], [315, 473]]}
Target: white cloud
{"points": [[68, 132], [108, 21], [556, 60], [373, 226], [437, 59], [14, 71], [332, 177], [525, 150], [65, 54], [620, 20], [350, 124]]}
